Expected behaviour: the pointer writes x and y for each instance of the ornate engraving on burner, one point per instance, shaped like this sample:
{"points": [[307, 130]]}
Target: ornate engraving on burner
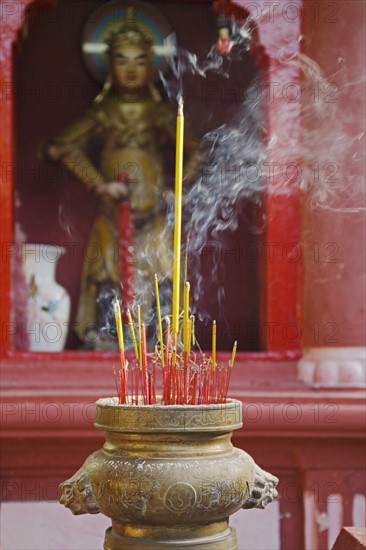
{"points": [[134, 419], [180, 497]]}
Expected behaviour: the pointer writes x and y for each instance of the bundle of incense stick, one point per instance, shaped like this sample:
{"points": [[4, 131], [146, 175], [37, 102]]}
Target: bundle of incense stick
{"points": [[187, 377]]}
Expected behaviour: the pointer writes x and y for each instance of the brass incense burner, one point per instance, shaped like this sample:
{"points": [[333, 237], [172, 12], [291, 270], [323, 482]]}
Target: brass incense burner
{"points": [[168, 476]]}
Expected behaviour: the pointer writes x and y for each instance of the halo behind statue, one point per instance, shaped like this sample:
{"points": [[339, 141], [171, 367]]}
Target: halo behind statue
{"points": [[108, 18]]}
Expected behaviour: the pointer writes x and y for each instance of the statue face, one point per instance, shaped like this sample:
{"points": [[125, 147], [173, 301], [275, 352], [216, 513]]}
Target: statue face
{"points": [[130, 66]]}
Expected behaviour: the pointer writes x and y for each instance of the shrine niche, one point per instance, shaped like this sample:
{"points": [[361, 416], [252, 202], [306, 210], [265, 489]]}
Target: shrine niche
{"points": [[55, 208], [259, 313]]}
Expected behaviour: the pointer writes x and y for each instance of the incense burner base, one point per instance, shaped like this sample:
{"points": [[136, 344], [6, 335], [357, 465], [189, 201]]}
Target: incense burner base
{"points": [[168, 476], [218, 536]]}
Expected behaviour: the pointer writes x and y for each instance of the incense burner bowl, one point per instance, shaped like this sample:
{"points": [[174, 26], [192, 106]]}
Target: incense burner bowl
{"points": [[168, 476]]}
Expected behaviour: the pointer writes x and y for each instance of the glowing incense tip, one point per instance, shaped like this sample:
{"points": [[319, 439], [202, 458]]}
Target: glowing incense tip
{"points": [[231, 362], [193, 336], [167, 319], [133, 335], [180, 106]]}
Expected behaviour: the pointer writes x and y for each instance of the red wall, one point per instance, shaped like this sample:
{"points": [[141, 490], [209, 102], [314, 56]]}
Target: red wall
{"points": [[334, 231]]}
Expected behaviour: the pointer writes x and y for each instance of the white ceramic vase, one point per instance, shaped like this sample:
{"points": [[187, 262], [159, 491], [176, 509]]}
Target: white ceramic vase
{"points": [[48, 306]]}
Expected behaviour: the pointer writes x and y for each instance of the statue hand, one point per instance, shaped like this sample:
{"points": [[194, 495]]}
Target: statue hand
{"points": [[115, 190]]}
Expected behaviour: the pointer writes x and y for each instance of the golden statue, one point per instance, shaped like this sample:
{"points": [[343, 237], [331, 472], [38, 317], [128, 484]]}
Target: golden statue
{"points": [[130, 123]]}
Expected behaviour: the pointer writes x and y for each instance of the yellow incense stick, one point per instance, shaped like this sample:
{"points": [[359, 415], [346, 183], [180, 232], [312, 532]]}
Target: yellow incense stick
{"points": [[178, 215], [231, 362], [193, 335], [213, 354], [189, 335], [167, 338], [160, 325], [139, 334], [186, 336], [118, 319], [133, 335]]}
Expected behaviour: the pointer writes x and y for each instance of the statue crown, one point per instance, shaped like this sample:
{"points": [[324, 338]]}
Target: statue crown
{"points": [[130, 32]]}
